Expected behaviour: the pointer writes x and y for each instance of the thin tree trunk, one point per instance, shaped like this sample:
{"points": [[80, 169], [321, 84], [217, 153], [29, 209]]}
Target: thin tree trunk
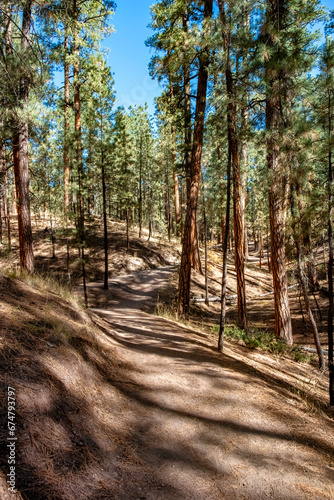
{"points": [[312, 322], [206, 252], [149, 211], [66, 125], [78, 137], [175, 175], [105, 221], [244, 125], [268, 250], [127, 230], [140, 208], [9, 237], [167, 202], [2, 184], [1, 213], [222, 216], [195, 172], [9, 50], [53, 239], [181, 211], [225, 244], [176, 192]]}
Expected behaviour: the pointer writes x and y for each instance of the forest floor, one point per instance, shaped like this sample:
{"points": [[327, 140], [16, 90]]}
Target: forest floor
{"points": [[117, 403]]}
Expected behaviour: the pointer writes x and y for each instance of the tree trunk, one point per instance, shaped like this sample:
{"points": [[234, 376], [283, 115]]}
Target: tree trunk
{"points": [[181, 211], [78, 138], [9, 237], [1, 215], [105, 220], [196, 263], [176, 193], [283, 327], [127, 230], [330, 259], [66, 152], [237, 188], [225, 244], [195, 172], [278, 184], [167, 202], [140, 207], [9, 50], [175, 175], [244, 125], [21, 158], [195, 260], [238, 230], [206, 252], [2, 184], [311, 319], [268, 250]]}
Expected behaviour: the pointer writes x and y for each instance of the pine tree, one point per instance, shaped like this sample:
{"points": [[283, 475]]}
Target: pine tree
{"points": [[195, 171], [238, 210], [285, 52]]}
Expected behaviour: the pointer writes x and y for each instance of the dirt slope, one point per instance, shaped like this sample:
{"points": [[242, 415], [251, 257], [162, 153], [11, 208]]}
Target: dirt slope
{"points": [[120, 404], [212, 426]]}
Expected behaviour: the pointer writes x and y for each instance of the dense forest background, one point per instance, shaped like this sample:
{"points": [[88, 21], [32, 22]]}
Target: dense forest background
{"points": [[239, 149]]}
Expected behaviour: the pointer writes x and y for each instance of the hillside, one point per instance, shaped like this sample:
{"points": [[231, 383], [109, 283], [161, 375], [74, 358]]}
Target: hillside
{"points": [[117, 403]]}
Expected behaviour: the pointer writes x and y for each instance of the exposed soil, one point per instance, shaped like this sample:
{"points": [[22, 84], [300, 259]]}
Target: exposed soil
{"points": [[117, 403]]}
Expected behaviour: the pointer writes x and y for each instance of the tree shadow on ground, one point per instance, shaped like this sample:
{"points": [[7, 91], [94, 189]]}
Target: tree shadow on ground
{"points": [[142, 408]]}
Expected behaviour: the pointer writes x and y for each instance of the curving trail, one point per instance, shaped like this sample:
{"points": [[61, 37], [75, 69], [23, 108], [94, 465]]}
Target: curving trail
{"points": [[201, 425]]}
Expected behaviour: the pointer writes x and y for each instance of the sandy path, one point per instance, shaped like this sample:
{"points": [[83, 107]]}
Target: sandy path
{"points": [[205, 426]]}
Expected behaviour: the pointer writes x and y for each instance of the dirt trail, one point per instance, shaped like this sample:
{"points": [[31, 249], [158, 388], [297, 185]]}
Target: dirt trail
{"points": [[201, 425]]}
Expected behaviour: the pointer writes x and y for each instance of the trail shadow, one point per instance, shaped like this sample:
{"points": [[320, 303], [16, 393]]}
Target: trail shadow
{"points": [[144, 409]]}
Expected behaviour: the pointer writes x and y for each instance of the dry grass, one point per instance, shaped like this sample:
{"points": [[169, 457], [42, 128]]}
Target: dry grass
{"points": [[48, 351]]}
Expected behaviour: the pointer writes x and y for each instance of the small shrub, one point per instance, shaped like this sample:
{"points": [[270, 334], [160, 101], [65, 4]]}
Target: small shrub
{"points": [[265, 341], [233, 332], [299, 355]]}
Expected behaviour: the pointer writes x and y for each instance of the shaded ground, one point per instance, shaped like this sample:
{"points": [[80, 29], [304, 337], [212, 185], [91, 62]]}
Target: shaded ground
{"points": [[260, 298], [116, 403], [213, 426], [124, 405], [157, 252]]}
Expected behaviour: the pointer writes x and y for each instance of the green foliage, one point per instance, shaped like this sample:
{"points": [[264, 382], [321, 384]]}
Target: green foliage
{"points": [[264, 341]]}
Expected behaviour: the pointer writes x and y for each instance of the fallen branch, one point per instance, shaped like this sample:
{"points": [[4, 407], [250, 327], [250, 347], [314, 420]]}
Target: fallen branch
{"points": [[229, 298], [232, 298], [310, 349]]}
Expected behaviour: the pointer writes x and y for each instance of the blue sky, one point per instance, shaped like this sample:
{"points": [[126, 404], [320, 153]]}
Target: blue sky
{"points": [[129, 57]]}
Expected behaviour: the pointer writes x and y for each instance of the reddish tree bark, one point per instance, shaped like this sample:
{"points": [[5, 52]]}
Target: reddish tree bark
{"points": [[175, 175], [195, 174], [21, 159], [278, 182], [225, 245], [330, 258], [78, 138], [237, 188], [66, 152], [195, 260], [2, 185]]}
